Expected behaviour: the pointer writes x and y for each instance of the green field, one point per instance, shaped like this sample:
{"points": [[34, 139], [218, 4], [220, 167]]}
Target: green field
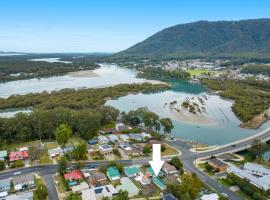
{"points": [[197, 72]]}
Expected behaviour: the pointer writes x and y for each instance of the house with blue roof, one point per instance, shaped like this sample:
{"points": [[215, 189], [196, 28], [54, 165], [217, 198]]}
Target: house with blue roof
{"points": [[152, 173], [113, 173], [132, 171], [159, 183]]}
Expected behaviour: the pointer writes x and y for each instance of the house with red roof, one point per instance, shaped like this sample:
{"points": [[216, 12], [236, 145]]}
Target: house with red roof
{"points": [[73, 176], [18, 155]]}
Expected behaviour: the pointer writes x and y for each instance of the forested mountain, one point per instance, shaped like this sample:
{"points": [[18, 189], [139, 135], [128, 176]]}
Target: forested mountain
{"points": [[245, 37]]}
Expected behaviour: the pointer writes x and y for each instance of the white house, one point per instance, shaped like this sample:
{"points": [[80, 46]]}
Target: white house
{"points": [[56, 152], [103, 139]]}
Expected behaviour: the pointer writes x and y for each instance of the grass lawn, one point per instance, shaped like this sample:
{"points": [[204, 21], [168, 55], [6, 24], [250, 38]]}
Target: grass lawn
{"points": [[202, 166], [17, 145], [75, 140], [169, 151], [196, 72], [60, 184], [51, 145]]}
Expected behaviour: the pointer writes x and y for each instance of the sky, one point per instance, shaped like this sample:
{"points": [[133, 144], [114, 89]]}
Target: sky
{"points": [[48, 26]]}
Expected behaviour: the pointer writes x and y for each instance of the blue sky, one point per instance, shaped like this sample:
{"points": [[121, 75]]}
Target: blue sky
{"points": [[107, 25]]}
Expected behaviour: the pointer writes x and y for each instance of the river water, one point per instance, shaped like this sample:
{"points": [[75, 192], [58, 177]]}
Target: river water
{"points": [[217, 125]]}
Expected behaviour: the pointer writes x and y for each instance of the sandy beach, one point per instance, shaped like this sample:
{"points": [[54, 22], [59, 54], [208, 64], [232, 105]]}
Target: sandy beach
{"points": [[84, 73]]}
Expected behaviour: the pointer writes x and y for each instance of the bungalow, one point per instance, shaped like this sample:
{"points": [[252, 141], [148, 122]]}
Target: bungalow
{"points": [[131, 171], [129, 186], [24, 181], [159, 183], [97, 178], [113, 138], [105, 149], [3, 154], [169, 169], [19, 155], [89, 194], [169, 197], [218, 165], [56, 152], [129, 149], [103, 139], [113, 173], [124, 137], [73, 176]]}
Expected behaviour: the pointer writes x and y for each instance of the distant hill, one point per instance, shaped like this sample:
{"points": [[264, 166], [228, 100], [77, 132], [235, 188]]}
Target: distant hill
{"points": [[245, 37]]}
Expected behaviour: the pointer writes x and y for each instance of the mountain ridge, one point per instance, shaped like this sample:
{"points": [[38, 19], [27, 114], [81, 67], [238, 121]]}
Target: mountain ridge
{"points": [[251, 36]]}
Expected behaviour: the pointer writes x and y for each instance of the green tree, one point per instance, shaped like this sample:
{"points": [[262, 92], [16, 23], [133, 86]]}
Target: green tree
{"points": [[167, 125], [177, 163], [73, 196], [36, 150], [122, 195], [257, 149], [146, 149], [62, 165], [41, 193], [62, 134], [79, 151], [2, 165]]}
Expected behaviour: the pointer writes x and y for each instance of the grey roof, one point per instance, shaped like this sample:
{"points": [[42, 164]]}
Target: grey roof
{"points": [[24, 178], [21, 196]]}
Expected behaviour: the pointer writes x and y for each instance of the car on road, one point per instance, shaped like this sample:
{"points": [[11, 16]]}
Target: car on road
{"points": [[224, 194], [17, 173]]}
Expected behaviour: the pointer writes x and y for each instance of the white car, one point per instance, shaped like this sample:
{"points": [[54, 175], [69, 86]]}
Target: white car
{"points": [[224, 194], [17, 173]]}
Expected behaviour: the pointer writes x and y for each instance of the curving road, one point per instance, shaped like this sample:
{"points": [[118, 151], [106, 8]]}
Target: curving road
{"points": [[188, 158]]}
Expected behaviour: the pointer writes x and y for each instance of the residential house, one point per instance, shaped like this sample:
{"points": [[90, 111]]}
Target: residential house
{"points": [[132, 171], [3, 154], [129, 186], [90, 149], [53, 153], [256, 169], [21, 196], [113, 138], [97, 178], [129, 149], [18, 155], [80, 187], [136, 136], [159, 183], [169, 169], [169, 197], [218, 165], [105, 149], [98, 193], [89, 194], [22, 149], [103, 139], [75, 175], [24, 181], [113, 173], [152, 173], [121, 127], [124, 137]]}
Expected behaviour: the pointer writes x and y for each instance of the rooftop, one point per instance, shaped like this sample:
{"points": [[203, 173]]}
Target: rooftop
{"points": [[128, 185], [105, 147], [217, 162], [113, 172], [158, 182], [130, 171], [169, 197], [74, 175]]}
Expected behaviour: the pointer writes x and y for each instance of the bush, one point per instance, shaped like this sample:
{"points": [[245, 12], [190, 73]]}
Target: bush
{"points": [[2, 165], [117, 153], [17, 163]]}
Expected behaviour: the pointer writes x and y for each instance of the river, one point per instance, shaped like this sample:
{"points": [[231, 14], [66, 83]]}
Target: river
{"points": [[216, 125]]}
